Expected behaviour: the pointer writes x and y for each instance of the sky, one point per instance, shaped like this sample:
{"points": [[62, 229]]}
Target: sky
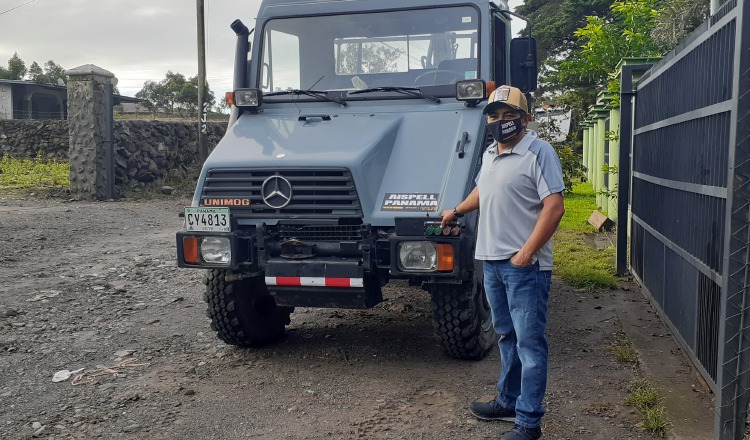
{"points": [[136, 40]]}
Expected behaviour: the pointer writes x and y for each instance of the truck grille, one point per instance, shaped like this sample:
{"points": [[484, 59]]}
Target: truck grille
{"points": [[315, 193], [322, 232]]}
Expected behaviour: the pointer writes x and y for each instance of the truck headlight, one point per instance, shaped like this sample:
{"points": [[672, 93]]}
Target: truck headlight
{"points": [[471, 90], [248, 98], [417, 256], [216, 250]]}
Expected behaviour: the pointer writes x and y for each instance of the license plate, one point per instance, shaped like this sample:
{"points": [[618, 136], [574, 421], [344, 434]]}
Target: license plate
{"points": [[207, 219]]}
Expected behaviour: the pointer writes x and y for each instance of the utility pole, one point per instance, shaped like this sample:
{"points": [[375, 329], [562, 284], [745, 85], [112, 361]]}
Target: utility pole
{"points": [[202, 107]]}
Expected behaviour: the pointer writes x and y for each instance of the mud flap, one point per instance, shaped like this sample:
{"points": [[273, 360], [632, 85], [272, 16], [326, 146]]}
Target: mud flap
{"points": [[321, 282]]}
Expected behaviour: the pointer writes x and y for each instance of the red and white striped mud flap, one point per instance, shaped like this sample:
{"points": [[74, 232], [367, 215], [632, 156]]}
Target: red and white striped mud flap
{"points": [[314, 282]]}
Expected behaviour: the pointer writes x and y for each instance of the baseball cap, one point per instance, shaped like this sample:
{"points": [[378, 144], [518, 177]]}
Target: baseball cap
{"points": [[507, 95]]}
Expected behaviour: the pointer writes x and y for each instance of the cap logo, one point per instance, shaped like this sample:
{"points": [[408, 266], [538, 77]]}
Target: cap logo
{"points": [[502, 94]]}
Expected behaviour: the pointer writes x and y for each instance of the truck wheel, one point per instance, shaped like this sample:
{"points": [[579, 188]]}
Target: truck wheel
{"points": [[462, 319], [241, 310]]}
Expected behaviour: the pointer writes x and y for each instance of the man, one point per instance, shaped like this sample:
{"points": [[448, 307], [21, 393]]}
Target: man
{"points": [[519, 190]]}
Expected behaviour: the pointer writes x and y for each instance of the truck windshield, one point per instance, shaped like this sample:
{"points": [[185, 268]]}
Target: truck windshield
{"points": [[407, 48]]}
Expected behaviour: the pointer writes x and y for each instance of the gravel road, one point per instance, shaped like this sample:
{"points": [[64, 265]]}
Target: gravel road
{"points": [[94, 286]]}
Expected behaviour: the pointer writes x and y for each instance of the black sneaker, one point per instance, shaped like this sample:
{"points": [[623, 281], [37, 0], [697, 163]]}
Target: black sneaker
{"points": [[520, 433], [492, 411]]}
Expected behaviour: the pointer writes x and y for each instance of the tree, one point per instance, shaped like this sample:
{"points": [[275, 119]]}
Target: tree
{"points": [[16, 68], [36, 73], [677, 19], [605, 41], [554, 22], [54, 72], [51, 73], [174, 94]]}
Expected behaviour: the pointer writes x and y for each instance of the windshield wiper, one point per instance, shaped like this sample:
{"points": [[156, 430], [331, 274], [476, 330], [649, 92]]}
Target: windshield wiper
{"points": [[314, 93], [412, 91]]}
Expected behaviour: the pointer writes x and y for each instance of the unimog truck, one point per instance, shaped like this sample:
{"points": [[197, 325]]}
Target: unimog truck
{"points": [[354, 124]]}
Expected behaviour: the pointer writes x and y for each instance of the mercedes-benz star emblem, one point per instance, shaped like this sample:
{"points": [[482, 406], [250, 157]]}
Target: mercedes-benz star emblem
{"points": [[276, 192]]}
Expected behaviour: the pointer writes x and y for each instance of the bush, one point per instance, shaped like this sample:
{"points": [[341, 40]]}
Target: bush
{"points": [[37, 172]]}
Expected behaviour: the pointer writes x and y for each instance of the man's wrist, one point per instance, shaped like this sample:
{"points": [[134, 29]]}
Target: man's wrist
{"points": [[456, 213]]}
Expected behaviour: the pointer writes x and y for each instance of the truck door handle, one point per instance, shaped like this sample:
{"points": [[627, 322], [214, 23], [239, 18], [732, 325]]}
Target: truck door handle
{"points": [[461, 145], [321, 117]]}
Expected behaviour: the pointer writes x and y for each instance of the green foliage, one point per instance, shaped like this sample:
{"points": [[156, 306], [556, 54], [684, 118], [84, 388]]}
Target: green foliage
{"points": [[572, 166], [604, 41], [49, 75], [174, 95], [572, 162], [38, 172], [555, 21], [612, 136], [643, 394], [576, 262], [623, 350], [677, 19], [16, 68], [645, 398]]}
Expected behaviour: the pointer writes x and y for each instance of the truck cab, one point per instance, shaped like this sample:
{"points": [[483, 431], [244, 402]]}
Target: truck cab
{"points": [[354, 124]]}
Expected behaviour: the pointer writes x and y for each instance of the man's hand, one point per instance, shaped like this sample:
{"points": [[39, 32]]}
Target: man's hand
{"points": [[448, 217], [522, 259]]}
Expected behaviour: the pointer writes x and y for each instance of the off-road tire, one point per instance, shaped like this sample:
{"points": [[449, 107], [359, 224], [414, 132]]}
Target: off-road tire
{"points": [[241, 310], [462, 319]]}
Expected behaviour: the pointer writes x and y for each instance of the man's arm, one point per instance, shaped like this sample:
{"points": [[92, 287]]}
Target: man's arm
{"points": [[469, 204], [546, 224]]}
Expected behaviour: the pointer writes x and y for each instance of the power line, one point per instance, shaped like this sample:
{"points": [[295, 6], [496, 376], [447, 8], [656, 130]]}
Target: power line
{"points": [[11, 9]]}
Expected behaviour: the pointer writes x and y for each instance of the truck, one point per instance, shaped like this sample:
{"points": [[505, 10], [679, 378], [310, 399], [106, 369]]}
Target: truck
{"points": [[354, 124]]}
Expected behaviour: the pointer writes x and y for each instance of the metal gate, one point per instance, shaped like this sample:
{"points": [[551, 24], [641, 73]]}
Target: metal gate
{"points": [[690, 203]]}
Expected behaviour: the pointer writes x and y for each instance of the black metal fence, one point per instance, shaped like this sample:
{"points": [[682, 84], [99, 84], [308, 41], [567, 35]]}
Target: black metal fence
{"points": [[690, 203]]}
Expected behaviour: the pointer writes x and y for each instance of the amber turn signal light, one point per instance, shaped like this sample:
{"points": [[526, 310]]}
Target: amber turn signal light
{"points": [[445, 259], [190, 250]]}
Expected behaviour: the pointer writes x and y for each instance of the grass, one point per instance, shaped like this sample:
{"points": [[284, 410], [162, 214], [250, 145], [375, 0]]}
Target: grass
{"points": [[37, 172], [623, 350], [576, 262], [644, 397]]}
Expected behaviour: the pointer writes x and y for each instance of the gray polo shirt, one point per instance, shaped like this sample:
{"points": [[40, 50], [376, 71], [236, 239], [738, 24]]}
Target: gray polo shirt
{"points": [[512, 186]]}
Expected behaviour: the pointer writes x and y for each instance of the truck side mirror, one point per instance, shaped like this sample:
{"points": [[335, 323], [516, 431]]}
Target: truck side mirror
{"points": [[523, 64]]}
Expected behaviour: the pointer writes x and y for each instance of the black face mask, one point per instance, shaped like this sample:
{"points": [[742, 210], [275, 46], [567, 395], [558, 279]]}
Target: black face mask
{"points": [[503, 131]]}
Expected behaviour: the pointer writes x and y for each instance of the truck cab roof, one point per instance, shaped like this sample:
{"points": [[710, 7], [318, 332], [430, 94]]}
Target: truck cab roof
{"points": [[271, 8]]}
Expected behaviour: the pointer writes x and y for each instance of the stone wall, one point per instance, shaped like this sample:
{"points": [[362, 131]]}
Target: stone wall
{"points": [[24, 138], [145, 151]]}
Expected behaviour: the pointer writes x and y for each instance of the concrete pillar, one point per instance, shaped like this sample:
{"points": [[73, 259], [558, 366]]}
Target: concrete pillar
{"points": [[600, 130], [586, 150], [90, 132], [614, 160], [593, 154]]}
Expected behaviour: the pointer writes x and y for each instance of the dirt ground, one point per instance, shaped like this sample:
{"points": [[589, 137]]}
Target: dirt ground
{"points": [[94, 286]]}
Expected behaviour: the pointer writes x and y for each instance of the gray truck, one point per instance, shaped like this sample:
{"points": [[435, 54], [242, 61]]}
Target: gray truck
{"points": [[354, 124]]}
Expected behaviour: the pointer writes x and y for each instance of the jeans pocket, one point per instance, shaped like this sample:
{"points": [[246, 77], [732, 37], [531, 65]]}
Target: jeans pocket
{"points": [[529, 267]]}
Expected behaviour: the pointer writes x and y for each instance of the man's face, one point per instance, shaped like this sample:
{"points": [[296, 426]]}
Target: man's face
{"points": [[505, 113]]}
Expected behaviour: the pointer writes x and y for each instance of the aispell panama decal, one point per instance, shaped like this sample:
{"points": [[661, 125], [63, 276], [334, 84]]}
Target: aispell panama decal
{"points": [[410, 202]]}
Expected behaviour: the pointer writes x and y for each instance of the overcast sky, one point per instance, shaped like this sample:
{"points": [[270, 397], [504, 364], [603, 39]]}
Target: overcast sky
{"points": [[136, 40]]}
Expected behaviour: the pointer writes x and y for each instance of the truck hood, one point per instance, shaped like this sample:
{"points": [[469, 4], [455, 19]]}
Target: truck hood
{"points": [[401, 161]]}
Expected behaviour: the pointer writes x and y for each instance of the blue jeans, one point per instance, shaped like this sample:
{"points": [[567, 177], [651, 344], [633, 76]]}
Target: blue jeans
{"points": [[518, 301]]}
